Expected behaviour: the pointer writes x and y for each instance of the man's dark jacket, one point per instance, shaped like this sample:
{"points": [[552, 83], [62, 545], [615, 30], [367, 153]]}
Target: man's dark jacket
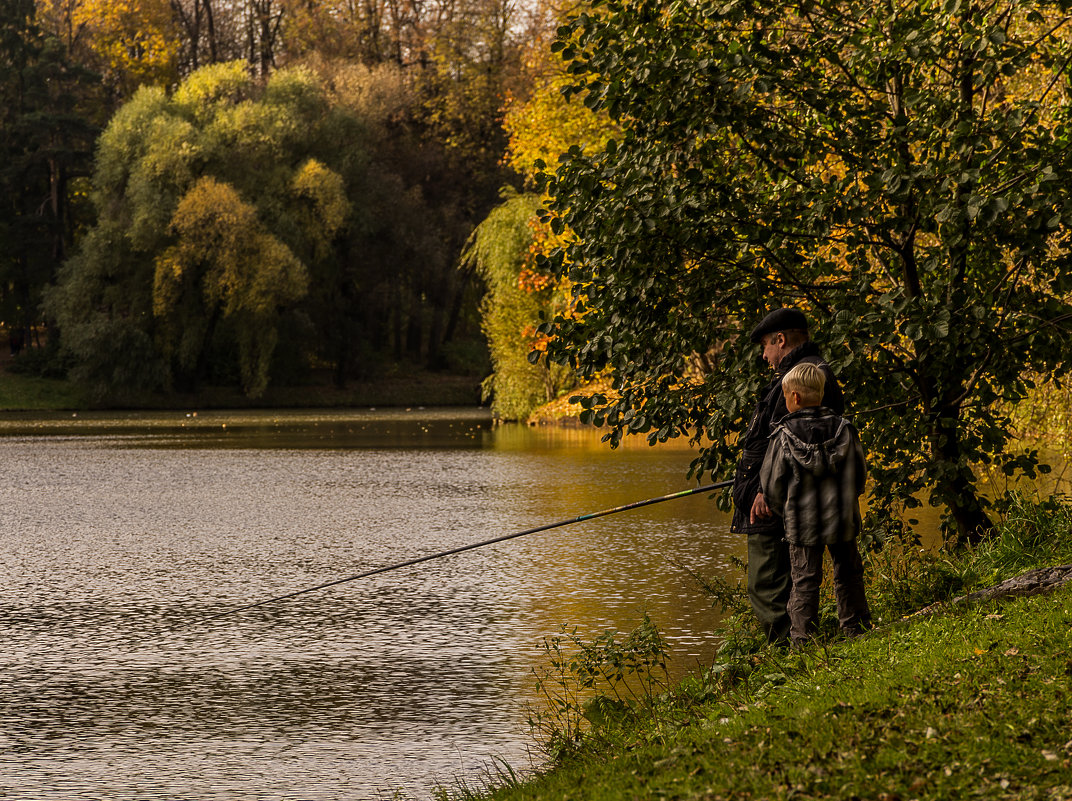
{"points": [[769, 410]]}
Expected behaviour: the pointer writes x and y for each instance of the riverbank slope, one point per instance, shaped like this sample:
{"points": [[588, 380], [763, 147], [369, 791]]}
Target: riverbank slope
{"points": [[965, 700]]}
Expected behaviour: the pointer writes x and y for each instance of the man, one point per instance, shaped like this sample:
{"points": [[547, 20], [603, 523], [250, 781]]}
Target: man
{"points": [[784, 336]]}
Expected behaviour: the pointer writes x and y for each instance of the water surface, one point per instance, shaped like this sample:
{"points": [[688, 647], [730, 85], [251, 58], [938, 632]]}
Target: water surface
{"points": [[121, 533]]}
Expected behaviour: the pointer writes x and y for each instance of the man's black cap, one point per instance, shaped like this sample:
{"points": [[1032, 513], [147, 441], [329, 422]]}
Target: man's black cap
{"points": [[780, 320]]}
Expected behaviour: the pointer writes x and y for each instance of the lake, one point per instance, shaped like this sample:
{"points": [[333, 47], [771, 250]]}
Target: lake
{"points": [[122, 533]]}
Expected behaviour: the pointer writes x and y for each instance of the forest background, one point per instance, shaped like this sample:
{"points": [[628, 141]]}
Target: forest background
{"points": [[263, 194]]}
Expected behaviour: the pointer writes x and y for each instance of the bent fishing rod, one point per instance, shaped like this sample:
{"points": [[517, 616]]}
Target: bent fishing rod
{"points": [[473, 546]]}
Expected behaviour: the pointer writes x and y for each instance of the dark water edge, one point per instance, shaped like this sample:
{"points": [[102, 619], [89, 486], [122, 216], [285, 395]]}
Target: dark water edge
{"points": [[411, 388]]}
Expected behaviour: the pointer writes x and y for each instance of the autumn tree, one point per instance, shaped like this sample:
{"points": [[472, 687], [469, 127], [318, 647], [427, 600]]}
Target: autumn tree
{"points": [[457, 62], [342, 29], [206, 198], [897, 171], [127, 42], [200, 42], [542, 125], [226, 265]]}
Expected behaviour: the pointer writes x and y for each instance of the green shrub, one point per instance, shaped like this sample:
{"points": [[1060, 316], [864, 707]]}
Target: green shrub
{"points": [[594, 691]]}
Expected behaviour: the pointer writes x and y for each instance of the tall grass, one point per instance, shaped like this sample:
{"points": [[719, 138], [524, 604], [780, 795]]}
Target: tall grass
{"points": [[903, 579]]}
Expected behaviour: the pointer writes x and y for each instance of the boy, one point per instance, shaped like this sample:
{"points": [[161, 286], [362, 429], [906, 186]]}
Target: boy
{"points": [[812, 477]]}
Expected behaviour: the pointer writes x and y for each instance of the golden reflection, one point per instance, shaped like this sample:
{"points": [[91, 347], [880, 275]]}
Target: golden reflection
{"points": [[606, 573]]}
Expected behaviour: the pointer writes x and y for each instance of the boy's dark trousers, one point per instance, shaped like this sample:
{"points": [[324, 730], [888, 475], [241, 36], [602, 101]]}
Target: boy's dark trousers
{"points": [[854, 616]]}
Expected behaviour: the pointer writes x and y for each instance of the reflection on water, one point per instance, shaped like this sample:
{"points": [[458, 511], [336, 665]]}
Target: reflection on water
{"points": [[121, 532]]}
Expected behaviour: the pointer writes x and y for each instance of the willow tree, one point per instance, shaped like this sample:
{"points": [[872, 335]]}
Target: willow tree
{"points": [[213, 211], [897, 169], [506, 246], [225, 264], [510, 310]]}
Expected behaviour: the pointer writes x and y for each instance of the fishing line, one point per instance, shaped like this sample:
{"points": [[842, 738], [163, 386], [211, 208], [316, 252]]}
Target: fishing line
{"points": [[463, 548]]}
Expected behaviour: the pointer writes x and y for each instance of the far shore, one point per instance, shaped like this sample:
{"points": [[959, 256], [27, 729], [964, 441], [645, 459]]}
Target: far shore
{"points": [[23, 393]]}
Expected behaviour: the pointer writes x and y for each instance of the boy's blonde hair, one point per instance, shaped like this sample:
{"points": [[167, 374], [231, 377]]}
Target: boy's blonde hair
{"points": [[806, 380]]}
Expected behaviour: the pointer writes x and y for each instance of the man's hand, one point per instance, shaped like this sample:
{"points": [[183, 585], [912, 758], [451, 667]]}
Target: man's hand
{"points": [[759, 509]]}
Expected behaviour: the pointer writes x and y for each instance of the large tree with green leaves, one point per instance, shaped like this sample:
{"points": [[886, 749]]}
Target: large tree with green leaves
{"points": [[897, 169], [213, 211]]}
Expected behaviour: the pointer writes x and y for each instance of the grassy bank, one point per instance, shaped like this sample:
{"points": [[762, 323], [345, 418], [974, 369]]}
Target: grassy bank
{"points": [[29, 393], [964, 701]]}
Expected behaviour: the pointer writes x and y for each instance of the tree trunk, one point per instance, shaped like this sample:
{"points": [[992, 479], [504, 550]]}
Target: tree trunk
{"points": [[210, 24], [956, 486]]}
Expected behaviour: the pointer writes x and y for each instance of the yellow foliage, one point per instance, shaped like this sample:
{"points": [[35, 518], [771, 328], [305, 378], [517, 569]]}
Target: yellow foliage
{"points": [[541, 127], [324, 192], [221, 244], [334, 28], [225, 256], [378, 94], [135, 40], [203, 91], [254, 130], [546, 125]]}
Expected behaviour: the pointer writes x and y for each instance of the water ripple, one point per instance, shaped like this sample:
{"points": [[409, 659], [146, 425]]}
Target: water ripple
{"points": [[122, 536]]}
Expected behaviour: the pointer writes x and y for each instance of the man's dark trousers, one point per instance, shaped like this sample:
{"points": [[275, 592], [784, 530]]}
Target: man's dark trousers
{"points": [[769, 583]]}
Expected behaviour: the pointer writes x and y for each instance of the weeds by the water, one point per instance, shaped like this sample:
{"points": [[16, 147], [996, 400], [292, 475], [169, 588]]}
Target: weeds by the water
{"points": [[498, 775], [599, 688]]}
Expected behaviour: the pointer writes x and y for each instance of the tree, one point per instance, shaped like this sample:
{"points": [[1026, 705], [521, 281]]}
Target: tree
{"points": [[340, 29], [466, 60], [391, 292], [897, 170], [456, 62], [127, 42], [200, 44], [205, 198], [510, 308], [542, 125], [225, 264], [46, 141]]}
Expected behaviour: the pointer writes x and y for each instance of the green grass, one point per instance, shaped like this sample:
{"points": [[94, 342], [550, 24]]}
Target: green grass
{"points": [[972, 705], [964, 702], [28, 393]]}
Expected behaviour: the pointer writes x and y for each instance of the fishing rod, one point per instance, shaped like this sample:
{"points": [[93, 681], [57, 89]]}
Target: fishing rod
{"points": [[452, 551]]}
